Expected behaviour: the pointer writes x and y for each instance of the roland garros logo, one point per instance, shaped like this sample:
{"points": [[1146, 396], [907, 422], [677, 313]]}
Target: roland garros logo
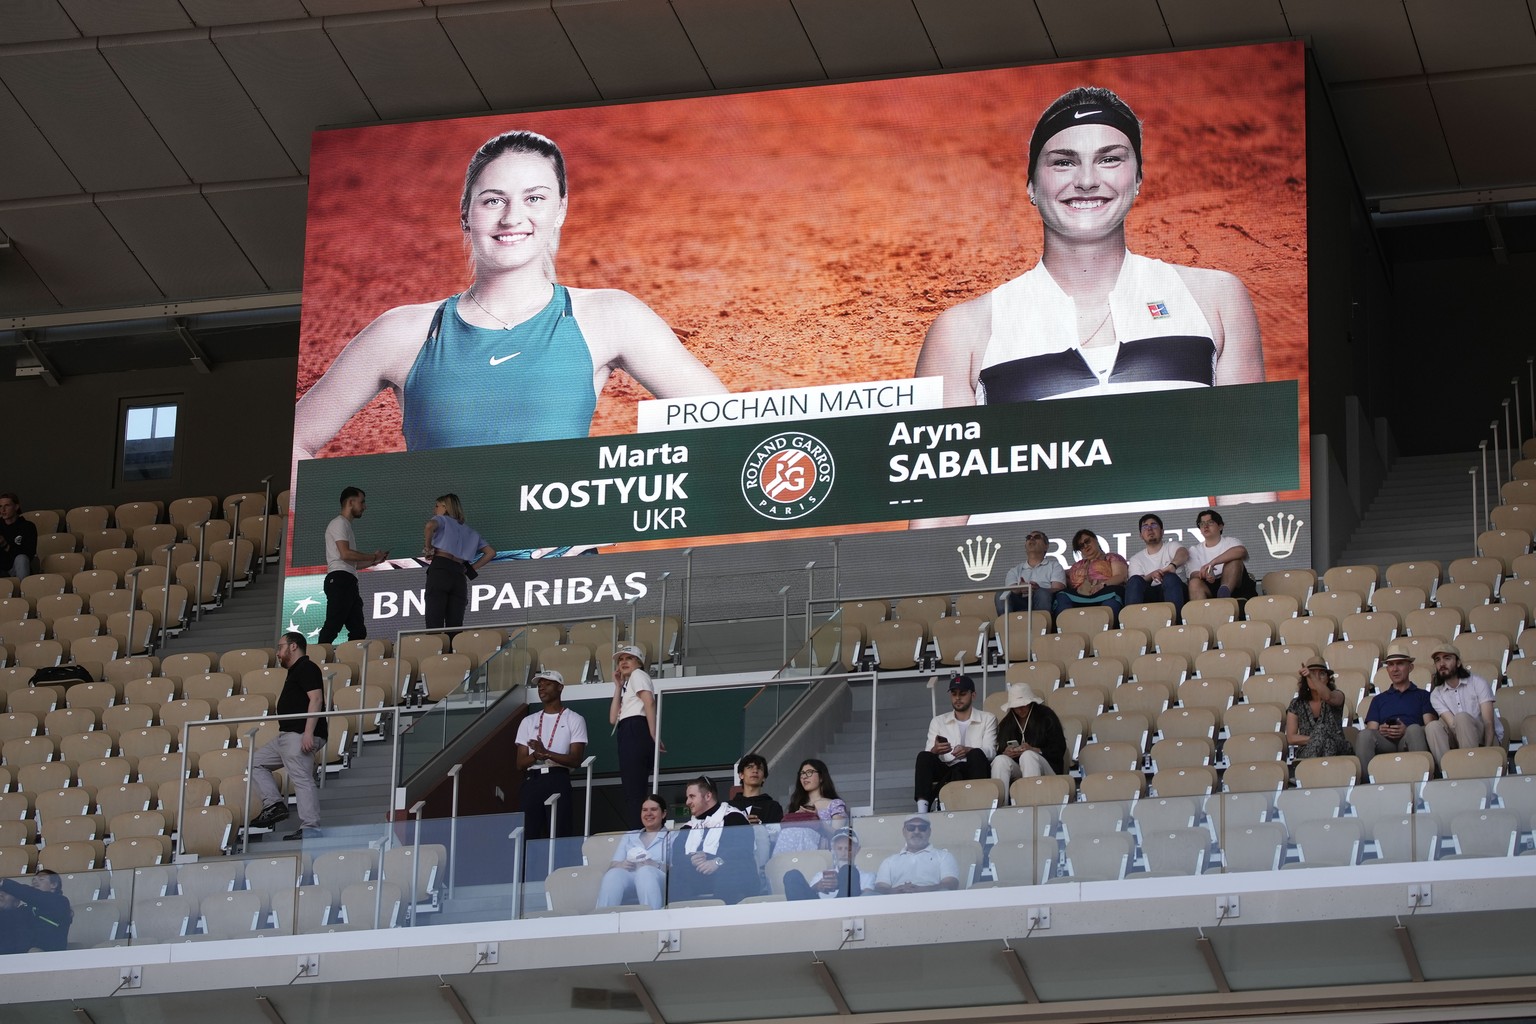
{"points": [[787, 476]]}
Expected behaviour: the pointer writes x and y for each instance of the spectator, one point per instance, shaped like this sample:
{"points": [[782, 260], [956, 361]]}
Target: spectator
{"points": [[1157, 571], [753, 800], [43, 915], [716, 858], [919, 867], [843, 878], [961, 744], [1033, 582], [18, 539], [815, 812], [632, 713], [1096, 578], [639, 867], [297, 739], [343, 602], [1218, 566], [1464, 704], [1397, 716], [1031, 738], [1314, 721], [455, 554]]}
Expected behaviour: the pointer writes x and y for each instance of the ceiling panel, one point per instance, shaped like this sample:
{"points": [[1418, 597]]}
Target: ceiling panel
{"points": [[114, 17], [750, 42], [1213, 22], [27, 21], [231, 12], [633, 49], [20, 287], [325, 8], [268, 225], [1477, 114], [407, 68], [298, 82], [854, 38], [30, 167], [78, 256], [546, 73], [198, 107], [1449, 40], [182, 244], [969, 33], [1358, 39], [1394, 141], [90, 120], [1110, 26]]}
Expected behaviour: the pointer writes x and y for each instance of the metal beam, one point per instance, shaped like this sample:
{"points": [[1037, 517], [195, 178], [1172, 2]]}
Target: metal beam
{"points": [[455, 1003], [1015, 964], [824, 975], [1410, 955], [644, 995], [1212, 963], [50, 373], [200, 360]]}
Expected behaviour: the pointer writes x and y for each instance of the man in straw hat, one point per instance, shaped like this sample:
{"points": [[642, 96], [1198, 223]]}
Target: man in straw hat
{"points": [[1397, 715], [1464, 704], [1030, 738]]}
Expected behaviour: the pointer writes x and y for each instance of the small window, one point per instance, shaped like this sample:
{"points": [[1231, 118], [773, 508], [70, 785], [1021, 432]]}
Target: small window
{"points": [[149, 440]]}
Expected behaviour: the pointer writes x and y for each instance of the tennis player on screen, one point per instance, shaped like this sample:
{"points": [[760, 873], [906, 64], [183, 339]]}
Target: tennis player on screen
{"points": [[1093, 318], [516, 356]]}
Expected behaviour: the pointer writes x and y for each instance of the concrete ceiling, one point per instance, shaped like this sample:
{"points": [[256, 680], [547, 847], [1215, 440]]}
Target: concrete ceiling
{"points": [[156, 151]]}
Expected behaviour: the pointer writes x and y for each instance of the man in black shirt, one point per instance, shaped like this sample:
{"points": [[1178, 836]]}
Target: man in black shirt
{"points": [[18, 539], [297, 741]]}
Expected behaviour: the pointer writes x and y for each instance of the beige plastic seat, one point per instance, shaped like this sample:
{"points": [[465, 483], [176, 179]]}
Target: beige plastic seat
{"points": [[1251, 636], [1190, 780], [133, 631], [1100, 673], [1127, 644], [1089, 620], [1098, 857], [1188, 641], [1378, 628], [1253, 847], [897, 644], [1413, 766], [1271, 608], [205, 831], [442, 674], [1316, 631], [1360, 579], [164, 919], [1504, 545], [1082, 702], [1149, 617], [960, 639], [1149, 697], [1013, 632], [1181, 752], [1509, 619], [1424, 574], [1331, 842], [369, 905], [1176, 851], [1491, 571], [230, 915], [1060, 649], [1212, 612]]}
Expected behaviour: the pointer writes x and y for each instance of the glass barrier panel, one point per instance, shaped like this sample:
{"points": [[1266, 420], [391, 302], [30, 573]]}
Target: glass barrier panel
{"points": [[766, 707], [453, 692], [100, 914]]}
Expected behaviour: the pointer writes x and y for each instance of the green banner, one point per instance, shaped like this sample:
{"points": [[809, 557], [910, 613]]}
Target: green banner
{"points": [[828, 472]]}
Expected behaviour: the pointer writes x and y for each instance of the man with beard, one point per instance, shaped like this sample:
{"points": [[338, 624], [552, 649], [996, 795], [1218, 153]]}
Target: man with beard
{"points": [[961, 744], [1464, 703]]}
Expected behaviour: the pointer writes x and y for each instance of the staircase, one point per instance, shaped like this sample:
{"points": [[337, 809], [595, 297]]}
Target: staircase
{"points": [[1423, 511], [903, 720]]}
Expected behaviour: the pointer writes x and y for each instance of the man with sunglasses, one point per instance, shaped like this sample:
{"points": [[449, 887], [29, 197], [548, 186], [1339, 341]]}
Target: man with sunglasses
{"points": [[1157, 571], [1033, 581], [919, 867], [961, 744]]}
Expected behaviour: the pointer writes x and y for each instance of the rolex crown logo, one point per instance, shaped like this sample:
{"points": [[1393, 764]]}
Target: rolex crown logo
{"points": [[1280, 533], [977, 556]]}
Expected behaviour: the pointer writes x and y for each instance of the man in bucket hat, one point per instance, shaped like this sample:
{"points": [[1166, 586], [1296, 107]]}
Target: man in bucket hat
{"points": [[1464, 704]]}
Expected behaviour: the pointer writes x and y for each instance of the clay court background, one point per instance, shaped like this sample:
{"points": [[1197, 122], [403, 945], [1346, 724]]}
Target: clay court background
{"points": [[803, 237]]}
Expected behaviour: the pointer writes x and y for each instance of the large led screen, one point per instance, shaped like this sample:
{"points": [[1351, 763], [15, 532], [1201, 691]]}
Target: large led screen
{"points": [[918, 314]]}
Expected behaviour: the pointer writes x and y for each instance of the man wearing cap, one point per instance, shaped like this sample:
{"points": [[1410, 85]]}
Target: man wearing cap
{"points": [[632, 713], [843, 878], [1033, 582], [550, 742], [1464, 703], [716, 858], [919, 867], [961, 744], [1157, 571], [1397, 715], [1031, 738]]}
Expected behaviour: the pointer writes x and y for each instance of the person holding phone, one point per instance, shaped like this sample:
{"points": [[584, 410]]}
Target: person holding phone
{"points": [[843, 878], [1397, 716], [961, 744]]}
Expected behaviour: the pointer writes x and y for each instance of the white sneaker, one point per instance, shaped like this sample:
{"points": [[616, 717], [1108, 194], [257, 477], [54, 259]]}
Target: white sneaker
{"points": [[922, 807]]}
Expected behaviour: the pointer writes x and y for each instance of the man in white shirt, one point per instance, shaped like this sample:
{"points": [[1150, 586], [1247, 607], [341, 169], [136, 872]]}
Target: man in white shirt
{"points": [[1157, 571], [961, 744], [1464, 703], [343, 603], [919, 867], [1218, 566], [550, 742]]}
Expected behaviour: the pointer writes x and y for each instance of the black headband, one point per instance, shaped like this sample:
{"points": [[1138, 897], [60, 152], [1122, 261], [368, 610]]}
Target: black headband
{"points": [[1084, 113]]}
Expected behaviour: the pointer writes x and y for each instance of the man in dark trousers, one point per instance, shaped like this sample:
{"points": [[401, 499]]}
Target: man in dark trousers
{"points": [[343, 603], [716, 858], [42, 919], [296, 742]]}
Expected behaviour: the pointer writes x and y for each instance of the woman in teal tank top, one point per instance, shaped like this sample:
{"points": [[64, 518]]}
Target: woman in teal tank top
{"points": [[516, 356]]}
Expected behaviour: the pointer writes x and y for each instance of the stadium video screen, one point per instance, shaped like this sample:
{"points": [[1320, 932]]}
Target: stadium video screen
{"points": [[919, 315]]}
